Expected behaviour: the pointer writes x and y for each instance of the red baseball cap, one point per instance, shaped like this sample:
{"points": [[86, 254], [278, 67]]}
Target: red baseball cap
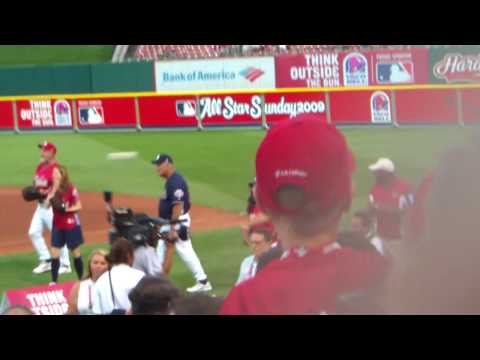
{"points": [[310, 154], [46, 146]]}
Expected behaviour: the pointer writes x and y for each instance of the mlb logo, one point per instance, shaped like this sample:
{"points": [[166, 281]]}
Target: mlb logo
{"points": [[395, 72], [186, 108], [62, 113], [355, 70], [92, 115], [380, 108]]}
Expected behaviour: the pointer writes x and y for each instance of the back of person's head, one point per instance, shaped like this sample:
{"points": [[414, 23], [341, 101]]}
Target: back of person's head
{"points": [[17, 310], [197, 304], [153, 295], [121, 252], [303, 172], [442, 274]]}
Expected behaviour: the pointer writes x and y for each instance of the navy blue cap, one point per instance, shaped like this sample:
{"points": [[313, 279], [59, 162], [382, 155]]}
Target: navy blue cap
{"points": [[160, 158]]}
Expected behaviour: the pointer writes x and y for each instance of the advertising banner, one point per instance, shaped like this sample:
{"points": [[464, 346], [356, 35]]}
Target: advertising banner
{"points": [[6, 115], [283, 106], [455, 65], [106, 113], [470, 105], [221, 74], [361, 107], [224, 110], [167, 111], [397, 67], [42, 300], [44, 114], [426, 107]]}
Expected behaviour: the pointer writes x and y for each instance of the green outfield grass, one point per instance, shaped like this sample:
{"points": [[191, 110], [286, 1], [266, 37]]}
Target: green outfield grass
{"points": [[218, 166], [54, 54]]}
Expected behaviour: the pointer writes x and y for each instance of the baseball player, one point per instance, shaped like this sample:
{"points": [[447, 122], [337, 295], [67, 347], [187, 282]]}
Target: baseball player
{"points": [[388, 202], [174, 204], [47, 181], [304, 184]]}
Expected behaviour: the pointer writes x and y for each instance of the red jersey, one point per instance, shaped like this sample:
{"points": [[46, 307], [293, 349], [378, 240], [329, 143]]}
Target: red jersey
{"points": [[306, 282], [396, 195], [67, 221], [43, 179], [416, 216]]}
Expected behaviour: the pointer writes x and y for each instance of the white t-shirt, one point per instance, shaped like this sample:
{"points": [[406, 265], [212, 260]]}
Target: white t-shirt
{"points": [[124, 279], [85, 297], [247, 269]]}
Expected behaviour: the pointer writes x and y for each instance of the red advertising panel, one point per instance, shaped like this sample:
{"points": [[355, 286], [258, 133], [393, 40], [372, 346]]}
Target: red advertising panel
{"points": [[361, 107], [106, 113], [6, 115], [284, 106], [471, 105], [42, 300], [167, 111], [44, 114], [397, 67], [227, 110], [426, 106]]}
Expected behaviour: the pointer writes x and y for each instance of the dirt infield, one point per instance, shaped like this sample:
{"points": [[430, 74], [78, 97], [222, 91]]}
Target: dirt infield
{"points": [[15, 217]]}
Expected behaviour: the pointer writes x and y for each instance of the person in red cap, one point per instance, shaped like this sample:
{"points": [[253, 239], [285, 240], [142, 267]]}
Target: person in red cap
{"points": [[47, 180], [304, 184]]}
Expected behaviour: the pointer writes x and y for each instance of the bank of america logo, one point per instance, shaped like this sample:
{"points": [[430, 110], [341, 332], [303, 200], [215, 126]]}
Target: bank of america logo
{"points": [[252, 74]]}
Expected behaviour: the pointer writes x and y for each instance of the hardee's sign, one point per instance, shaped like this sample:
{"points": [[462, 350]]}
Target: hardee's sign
{"points": [[458, 67], [42, 300]]}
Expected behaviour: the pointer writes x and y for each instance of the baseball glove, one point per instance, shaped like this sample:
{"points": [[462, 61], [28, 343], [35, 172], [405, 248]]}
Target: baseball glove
{"points": [[30, 193], [58, 204]]}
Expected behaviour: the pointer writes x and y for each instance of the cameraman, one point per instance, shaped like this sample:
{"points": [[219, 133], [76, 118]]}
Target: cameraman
{"points": [[144, 239]]}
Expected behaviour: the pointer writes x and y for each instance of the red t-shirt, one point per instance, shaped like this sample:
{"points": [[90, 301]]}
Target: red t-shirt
{"points": [[397, 195], [43, 178], [67, 221], [416, 216], [306, 282]]}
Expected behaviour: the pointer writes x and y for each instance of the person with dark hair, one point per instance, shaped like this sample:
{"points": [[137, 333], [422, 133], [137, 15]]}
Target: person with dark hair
{"points": [[360, 236], [112, 288], [66, 229], [17, 310], [152, 296], [440, 273], [260, 240], [196, 304], [303, 169]]}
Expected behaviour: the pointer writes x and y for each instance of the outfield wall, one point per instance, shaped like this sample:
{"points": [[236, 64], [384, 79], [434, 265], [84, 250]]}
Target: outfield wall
{"points": [[370, 106]]}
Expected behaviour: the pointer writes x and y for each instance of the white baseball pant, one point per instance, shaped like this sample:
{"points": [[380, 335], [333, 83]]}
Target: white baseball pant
{"points": [[185, 251], [43, 218]]}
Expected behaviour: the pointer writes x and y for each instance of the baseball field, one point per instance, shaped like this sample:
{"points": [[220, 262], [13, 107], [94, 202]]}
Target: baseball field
{"points": [[218, 166]]}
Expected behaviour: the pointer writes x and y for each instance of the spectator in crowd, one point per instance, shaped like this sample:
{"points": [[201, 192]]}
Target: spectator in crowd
{"points": [[17, 310], [153, 295], [303, 169], [360, 236], [260, 241], [441, 274], [196, 304], [389, 200], [112, 288], [80, 300]]}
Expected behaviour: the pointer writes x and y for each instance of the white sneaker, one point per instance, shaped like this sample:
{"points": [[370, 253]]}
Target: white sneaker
{"points": [[43, 267], [52, 283], [200, 288], [65, 270]]}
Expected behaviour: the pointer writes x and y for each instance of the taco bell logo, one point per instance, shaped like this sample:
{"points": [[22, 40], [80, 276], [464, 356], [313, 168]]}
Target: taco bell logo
{"points": [[63, 113], [380, 108], [355, 70]]}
